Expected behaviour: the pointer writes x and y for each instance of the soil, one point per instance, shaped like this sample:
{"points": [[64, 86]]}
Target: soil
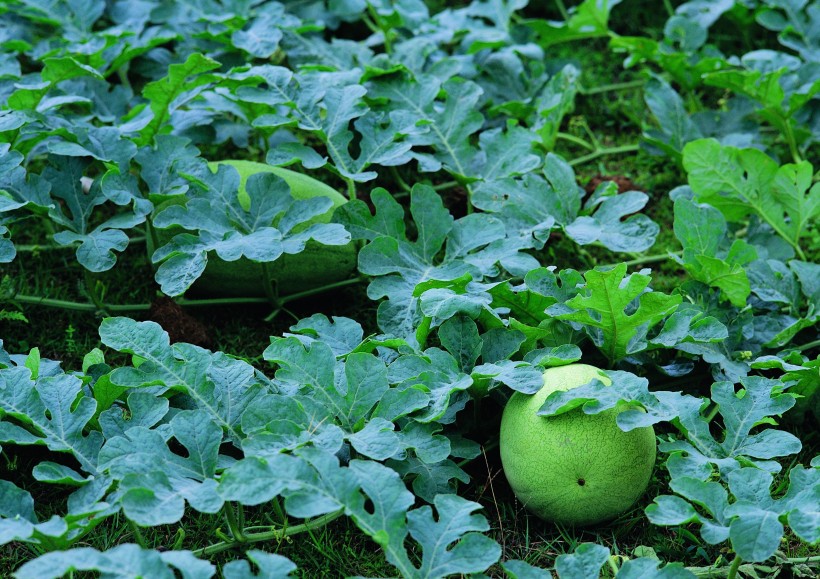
{"points": [[624, 183], [180, 325]]}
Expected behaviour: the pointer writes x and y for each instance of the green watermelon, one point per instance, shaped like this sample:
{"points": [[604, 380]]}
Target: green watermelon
{"points": [[316, 266], [575, 468]]}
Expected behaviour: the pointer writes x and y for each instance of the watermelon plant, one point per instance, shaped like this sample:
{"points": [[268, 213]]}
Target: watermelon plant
{"points": [[409, 288]]}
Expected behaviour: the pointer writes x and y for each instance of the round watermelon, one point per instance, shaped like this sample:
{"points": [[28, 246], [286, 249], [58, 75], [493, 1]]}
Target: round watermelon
{"points": [[574, 468]]}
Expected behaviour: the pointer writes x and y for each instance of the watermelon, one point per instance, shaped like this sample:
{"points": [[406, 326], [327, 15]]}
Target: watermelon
{"points": [[574, 468], [314, 267]]}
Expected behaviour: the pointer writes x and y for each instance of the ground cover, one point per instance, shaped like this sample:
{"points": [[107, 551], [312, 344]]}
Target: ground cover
{"points": [[629, 185]]}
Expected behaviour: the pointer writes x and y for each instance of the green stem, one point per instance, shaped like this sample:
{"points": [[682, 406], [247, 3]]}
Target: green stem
{"points": [[351, 188], [233, 524], [76, 306], [270, 285], [400, 180], [139, 538], [53, 246], [369, 23], [272, 535], [612, 565], [446, 185], [612, 87], [788, 132], [179, 538], [293, 316], [91, 286], [733, 568], [577, 140], [604, 151], [312, 292], [679, 427], [90, 307], [122, 74], [492, 445], [710, 572], [808, 346], [592, 138], [219, 302], [272, 316], [651, 259], [277, 510], [151, 234], [815, 559], [794, 243], [562, 9], [668, 5], [94, 307], [713, 411], [388, 46]]}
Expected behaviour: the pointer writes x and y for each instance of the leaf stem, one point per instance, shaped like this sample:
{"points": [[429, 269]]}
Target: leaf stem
{"points": [[351, 188], [657, 258], [492, 445], [713, 411], [90, 307], [734, 567], [562, 9], [808, 346], [370, 23], [270, 285], [91, 286], [388, 45], [273, 534], [100, 306], [272, 316], [651, 259], [279, 512], [604, 151], [139, 538], [399, 179], [788, 132], [77, 306], [54, 246], [233, 525], [612, 565], [445, 185], [179, 538], [218, 302], [612, 87], [814, 559], [318, 290], [577, 140]]}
